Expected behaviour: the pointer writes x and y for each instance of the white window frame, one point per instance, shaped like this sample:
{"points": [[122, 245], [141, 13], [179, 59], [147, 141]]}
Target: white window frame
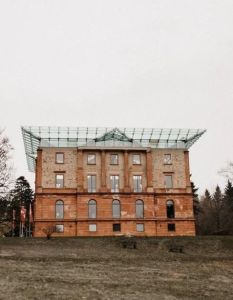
{"points": [[58, 185], [92, 227], [137, 184], [91, 183], [115, 183]]}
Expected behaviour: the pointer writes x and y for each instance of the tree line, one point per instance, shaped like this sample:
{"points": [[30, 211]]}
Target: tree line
{"points": [[214, 212], [16, 197]]}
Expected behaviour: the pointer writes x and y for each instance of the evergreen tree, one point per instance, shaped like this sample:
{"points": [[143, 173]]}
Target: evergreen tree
{"points": [[196, 206], [206, 218], [228, 208], [21, 195], [218, 209]]}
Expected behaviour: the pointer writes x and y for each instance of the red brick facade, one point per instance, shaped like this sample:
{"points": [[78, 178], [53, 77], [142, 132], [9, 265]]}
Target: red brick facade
{"points": [[75, 197]]}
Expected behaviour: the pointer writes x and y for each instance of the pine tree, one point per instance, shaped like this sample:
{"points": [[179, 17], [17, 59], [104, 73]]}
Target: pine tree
{"points": [[218, 209], [21, 195], [206, 218], [196, 206], [228, 208]]}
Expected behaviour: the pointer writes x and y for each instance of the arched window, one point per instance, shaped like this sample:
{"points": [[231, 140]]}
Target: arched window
{"points": [[92, 209], [59, 209], [170, 209], [139, 209], [116, 209]]}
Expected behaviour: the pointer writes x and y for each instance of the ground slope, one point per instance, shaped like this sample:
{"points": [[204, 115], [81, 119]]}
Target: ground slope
{"points": [[100, 268]]}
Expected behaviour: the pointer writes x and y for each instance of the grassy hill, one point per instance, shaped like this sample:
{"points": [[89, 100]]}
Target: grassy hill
{"points": [[100, 268]]}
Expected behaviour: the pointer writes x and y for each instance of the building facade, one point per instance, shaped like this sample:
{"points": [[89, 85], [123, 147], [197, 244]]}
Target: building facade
{"points": [[110, 181]]}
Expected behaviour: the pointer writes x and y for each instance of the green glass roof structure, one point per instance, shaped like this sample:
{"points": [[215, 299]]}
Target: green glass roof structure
{"points": [[103, 137]]}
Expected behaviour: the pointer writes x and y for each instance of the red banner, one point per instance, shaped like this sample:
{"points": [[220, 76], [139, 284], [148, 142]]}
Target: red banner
{"points": [[22, 214], [30, 214]]}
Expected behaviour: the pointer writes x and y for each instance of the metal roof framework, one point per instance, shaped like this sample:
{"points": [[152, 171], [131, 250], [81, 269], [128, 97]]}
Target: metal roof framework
{"points": [[105, 137]]}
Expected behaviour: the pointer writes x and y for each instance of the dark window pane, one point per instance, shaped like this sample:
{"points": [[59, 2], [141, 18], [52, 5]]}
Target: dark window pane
{"points": [[171, 227], [116, 227], [170, 209]]}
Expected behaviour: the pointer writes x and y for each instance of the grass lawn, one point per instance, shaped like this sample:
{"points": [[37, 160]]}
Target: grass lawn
{"points": [[100, 268]]}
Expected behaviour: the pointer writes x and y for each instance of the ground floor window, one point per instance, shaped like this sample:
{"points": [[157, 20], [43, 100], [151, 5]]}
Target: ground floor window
{"points": [[116, 227], [59, 228], [92, 227], [171, 227], [140, 227]]}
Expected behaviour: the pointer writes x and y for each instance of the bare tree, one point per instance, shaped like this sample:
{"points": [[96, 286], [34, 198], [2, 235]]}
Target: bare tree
{"points": [[48, 231], [5, 167], [227, 171]]}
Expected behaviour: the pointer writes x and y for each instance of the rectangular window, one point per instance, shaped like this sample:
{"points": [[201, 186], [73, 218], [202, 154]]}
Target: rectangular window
{"points": [[114, 180], [168, 181], [114, 159], [136, 159], [171, 227], [167, 159], [59, 228], [91, 159], [116, 227], [91, 183], [59, 158], [140, 227], [92, 227], [137, 183], [59, 180]]}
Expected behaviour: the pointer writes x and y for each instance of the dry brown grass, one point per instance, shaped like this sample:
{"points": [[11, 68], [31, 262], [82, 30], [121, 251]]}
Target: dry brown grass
{"points": [[99, 268]]}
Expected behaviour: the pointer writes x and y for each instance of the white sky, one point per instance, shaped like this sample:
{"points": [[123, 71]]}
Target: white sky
{"points": [[122, 63]]}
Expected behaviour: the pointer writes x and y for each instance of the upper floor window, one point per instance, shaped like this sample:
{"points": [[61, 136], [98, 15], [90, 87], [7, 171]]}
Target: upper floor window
{"points": [[59, 158], [114, 159], [91, 183], [137, 183], [136, 159], [170, 209], [59, 209], [116, 209], [92, 209], [59, 180], [91, 159], [168, 181], [114, 180], [139, 209], [167, 159]]}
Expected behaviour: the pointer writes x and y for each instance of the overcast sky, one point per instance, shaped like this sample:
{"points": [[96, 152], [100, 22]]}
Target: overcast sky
{"points": [[158, 63]]}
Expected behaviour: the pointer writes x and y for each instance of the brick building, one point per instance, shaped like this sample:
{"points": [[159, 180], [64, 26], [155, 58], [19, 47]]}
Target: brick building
{"points": [[110, 181]]}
